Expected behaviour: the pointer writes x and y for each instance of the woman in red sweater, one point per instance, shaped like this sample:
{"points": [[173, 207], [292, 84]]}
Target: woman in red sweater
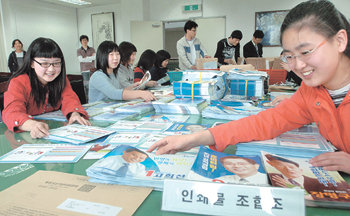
{"points": [[41, 86]]}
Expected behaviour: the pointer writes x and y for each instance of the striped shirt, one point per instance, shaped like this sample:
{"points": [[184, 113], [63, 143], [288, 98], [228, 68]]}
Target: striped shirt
{"points": [[339, 94]]}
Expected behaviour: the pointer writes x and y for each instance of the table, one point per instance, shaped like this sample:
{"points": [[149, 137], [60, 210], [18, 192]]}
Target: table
{"points": [[152, 204]]}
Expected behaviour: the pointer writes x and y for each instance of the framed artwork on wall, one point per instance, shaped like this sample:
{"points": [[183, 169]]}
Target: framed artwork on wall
{"points": [[270, 23], [102, 26]]}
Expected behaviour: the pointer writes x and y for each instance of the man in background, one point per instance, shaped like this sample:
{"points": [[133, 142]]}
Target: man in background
{"points": [[86, 56], [189, 48], [254, 47], [228, 49]]}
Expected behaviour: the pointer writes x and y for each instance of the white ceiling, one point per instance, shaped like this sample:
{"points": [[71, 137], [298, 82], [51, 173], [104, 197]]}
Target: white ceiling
{"points": [[93, 3]]}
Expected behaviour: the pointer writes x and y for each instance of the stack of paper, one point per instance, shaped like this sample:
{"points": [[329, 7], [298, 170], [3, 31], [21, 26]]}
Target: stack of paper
{"points": [[128, 165], [165, 118], [139, 126], [135, 107], [55, 115], [247, 83], [230, 112], [78, 134], [187, 128], [212, 89], [180, 106], [288, 144]]}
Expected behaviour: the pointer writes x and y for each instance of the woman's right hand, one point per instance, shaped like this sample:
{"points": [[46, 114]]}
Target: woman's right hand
{"points": [[37, 129]]}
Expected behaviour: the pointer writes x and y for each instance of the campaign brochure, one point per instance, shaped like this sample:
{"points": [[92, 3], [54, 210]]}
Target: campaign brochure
{"points": [[128, 165], [165, 118], [229, 112], [139, 126], [55, 115], [45, 153], [78, 134], [322, 188], [288, 144], [187, 128], [220, 167], [146, 77], [180, 106]]}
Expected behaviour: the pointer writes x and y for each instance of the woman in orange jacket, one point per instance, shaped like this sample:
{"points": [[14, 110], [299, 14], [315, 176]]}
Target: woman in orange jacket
{"points": [[40, 86], [315, 40]]}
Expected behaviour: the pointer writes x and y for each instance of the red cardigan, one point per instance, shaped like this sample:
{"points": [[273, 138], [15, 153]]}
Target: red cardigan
{"points": [[19, 104], [308, 104]]}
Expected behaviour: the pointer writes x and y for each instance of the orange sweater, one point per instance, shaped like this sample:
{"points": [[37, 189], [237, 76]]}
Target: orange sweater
{"points": [[308, 104]]}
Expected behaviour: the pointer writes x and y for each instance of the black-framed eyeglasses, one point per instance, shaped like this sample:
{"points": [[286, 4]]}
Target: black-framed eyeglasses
{"points": [[47, 64]]}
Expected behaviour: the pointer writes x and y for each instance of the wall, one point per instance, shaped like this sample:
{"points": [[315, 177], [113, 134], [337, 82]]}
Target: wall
{"points": [[239, 14], [30, 19]]}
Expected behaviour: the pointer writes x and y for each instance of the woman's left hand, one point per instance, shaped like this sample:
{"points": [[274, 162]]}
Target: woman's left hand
{"points": [[333, 161], [76, 117]]}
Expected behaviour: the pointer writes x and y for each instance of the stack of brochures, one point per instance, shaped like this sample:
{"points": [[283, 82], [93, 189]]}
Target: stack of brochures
{"points": [[247, 83], [113, 116], [165, 118], [212, 89], [322, 188], [139, 126], [99, 107], [78, 134], [220, 167], [128, 165], [186, 128], [180, 106], [220, 111], [289, 144], [135, 107], [55, 115]]}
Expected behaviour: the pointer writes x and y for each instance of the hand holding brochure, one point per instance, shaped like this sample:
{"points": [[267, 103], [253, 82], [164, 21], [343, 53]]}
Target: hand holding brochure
{"points": [[143, 81]]}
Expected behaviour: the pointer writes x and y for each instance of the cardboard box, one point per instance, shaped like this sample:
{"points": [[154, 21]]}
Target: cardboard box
{"points": [[207, 63]]}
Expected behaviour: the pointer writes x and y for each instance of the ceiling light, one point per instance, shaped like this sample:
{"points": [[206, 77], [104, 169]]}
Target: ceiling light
{"points": [[76, 2]]}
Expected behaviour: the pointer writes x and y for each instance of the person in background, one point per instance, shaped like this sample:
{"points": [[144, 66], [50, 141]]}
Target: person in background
{"points": [[146, 62], [227, 50], [15, 60], [39, 86], [254, 48], [86, 56], [159, 70], [125, 73], [104, 84], [315, 40], [189, 48]]}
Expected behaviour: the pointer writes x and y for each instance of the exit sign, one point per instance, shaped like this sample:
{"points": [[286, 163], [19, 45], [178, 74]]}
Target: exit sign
{"points": [[192, 8]]}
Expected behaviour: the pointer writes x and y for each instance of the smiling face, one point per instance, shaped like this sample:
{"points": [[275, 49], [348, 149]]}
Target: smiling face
{"points": [[113, 61], [240, 167], [18, 46], [321, 67], [46, 75], [134, 156]]}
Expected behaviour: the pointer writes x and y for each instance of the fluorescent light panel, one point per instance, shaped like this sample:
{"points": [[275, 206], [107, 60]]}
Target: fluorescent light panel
{"points": [[76, 2]]}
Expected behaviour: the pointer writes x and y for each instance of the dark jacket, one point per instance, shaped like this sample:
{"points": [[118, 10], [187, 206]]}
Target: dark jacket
{"points": [[250, 51], [225, 51], [12, 62]]}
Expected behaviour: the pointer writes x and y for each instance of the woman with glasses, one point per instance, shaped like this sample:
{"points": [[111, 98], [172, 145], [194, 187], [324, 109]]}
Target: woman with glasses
{"points": [[315, 40], [40, 86]]}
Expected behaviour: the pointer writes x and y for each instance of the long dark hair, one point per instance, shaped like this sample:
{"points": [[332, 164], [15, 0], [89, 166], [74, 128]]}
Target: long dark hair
{"points": [[102, 53], [320, 16], [126, 50], [147, 60], [162, 55], [43, 48]]}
